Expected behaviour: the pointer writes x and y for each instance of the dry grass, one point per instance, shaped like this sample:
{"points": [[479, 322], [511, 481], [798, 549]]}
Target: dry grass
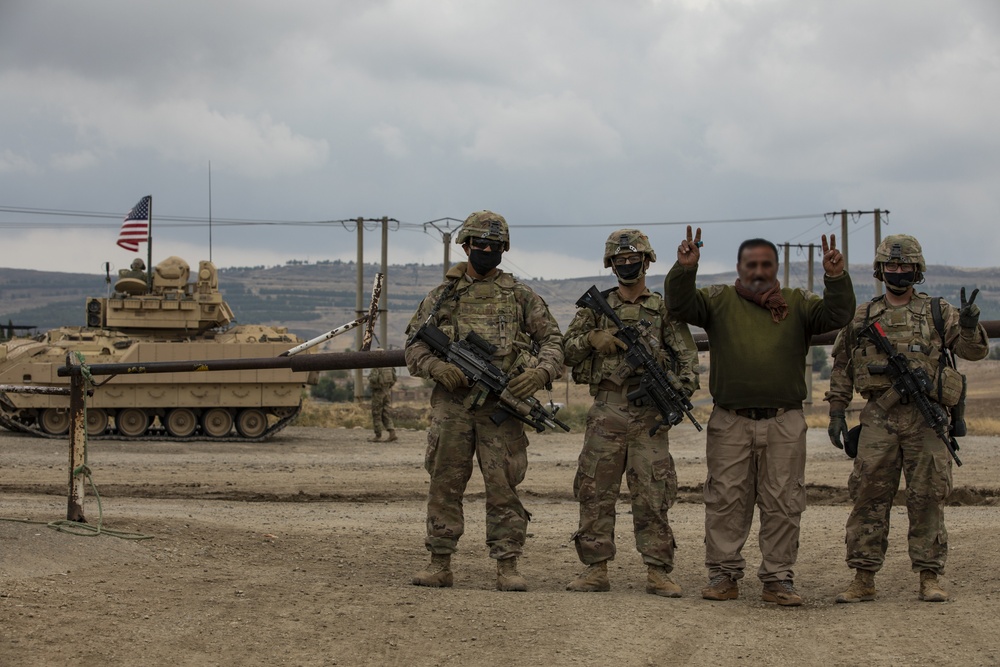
{"points": [[976, 424], [981, 419], [358, 415]]}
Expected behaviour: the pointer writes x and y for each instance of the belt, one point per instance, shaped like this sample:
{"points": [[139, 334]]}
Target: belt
{"points": [[609, 392], [758, 413]]}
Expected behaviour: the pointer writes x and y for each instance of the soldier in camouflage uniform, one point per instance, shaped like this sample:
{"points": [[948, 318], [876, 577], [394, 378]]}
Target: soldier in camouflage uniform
{"points": [[478, 297], [894, 437], [380, 382], [617, 441]]}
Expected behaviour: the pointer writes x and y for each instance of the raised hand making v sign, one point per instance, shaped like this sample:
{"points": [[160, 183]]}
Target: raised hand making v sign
{"points": [[689, 251], [833, 260]]}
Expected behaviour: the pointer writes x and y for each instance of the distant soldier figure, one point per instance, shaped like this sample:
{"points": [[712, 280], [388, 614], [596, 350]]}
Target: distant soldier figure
{"points": [[380, 382], [617, 441], [133, 279], [895, 438]]}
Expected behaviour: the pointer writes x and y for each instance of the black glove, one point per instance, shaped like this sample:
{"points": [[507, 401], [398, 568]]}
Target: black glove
{"points": [[968, 316], [837, 428]]}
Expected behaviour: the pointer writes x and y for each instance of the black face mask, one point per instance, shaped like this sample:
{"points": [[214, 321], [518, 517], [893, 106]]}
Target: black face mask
{"points": [[898, 283], [628, 274], [484, 262]]}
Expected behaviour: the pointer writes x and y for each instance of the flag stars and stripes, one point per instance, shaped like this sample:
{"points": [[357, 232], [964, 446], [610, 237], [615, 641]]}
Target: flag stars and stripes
{"points": [[135, 227]]}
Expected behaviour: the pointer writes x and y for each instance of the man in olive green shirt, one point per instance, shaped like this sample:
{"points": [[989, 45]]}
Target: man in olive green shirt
{"points": [[756, 446]]}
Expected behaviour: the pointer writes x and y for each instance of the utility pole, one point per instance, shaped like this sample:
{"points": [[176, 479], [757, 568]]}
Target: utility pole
{"points": [[843, 235], [787, 246], [445, 231], [359, 309], [843, 238], [446, 238], [383, 301], [809, 369], [878, 241]]}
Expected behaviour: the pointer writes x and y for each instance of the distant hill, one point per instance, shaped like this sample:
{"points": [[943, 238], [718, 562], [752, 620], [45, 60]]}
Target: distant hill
{"points": [[311, 299]]}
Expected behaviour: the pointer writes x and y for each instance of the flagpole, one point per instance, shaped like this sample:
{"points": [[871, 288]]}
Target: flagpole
{"points": [[149, 248], [210, 210]]}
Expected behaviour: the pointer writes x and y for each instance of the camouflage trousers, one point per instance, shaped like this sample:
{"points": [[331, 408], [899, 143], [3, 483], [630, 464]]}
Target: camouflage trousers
{"points": [[754, 462], [617, 442], [893, 442], [381, 416], [456, 434]]}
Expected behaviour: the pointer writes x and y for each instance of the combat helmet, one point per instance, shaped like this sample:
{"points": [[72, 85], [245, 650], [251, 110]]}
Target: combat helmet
{"points": [[901, 248], [627, 240], [485, 225]]}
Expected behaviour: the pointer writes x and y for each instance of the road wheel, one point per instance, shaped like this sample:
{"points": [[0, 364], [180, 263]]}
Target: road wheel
{"points": [[97, 421], [251, 423], [181, 422], [131, 422], [217, 422], [54, 421]]}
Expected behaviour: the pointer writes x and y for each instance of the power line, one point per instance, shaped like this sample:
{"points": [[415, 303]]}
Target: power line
{"points": [[726, 221], [193, 221]]}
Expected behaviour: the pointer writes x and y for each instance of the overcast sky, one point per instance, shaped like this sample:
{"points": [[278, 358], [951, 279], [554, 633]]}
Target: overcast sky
{"points": [[590, 115]]}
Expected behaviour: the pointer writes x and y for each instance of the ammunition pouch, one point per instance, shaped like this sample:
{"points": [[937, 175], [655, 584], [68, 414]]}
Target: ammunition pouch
{"points": [[582, 372], [951, 389]]}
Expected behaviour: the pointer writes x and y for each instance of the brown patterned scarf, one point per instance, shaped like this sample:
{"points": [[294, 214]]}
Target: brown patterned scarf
{"points": [[771, 299]]}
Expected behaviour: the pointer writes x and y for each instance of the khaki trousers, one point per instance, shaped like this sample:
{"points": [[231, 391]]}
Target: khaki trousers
{"points": [[754, 462]]}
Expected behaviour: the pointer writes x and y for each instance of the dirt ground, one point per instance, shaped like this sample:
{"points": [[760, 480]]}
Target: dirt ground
{"points": [[299, 552]]}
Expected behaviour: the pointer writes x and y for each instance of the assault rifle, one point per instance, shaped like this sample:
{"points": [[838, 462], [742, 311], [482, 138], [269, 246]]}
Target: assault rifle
{"points": [[909, 385], [473, 356], [661, 387]]}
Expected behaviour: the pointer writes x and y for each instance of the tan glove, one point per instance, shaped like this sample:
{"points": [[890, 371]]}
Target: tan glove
{"points": [[604, 341], [528, 382], [447, 375]]}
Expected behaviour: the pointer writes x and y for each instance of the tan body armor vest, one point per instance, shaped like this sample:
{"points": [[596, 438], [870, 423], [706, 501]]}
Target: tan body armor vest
{"points": [[911, 331]]}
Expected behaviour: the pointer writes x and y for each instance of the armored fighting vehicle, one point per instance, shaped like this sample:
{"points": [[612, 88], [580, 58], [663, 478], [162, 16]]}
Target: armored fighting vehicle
{"points": [[164, 317]]}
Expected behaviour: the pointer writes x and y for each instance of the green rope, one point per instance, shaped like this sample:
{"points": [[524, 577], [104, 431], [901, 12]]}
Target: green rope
{"points": [[77, 527]]}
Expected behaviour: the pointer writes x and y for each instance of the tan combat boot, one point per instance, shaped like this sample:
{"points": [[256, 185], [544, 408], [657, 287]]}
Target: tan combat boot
{"points": [[658, 582], [375, 438], [862, 589], [508, 578], [592, 580], [437, 574], [392, 436], [930, 589]]}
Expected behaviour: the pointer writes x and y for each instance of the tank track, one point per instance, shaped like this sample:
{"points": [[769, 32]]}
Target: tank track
{"points": [[159, 434]]}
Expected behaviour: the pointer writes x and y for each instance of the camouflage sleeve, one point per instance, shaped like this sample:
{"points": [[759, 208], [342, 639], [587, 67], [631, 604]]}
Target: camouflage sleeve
{"points": [[576, 346], [544, 330], [971, 344], [677, 336], [842, 377], [417, 354]]}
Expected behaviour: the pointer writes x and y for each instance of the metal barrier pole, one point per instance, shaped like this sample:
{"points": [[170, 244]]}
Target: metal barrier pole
{"points": [[77, 445]]}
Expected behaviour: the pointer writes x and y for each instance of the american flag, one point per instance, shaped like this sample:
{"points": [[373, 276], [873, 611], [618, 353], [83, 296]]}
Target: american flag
{"points": [[135, 228]]}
